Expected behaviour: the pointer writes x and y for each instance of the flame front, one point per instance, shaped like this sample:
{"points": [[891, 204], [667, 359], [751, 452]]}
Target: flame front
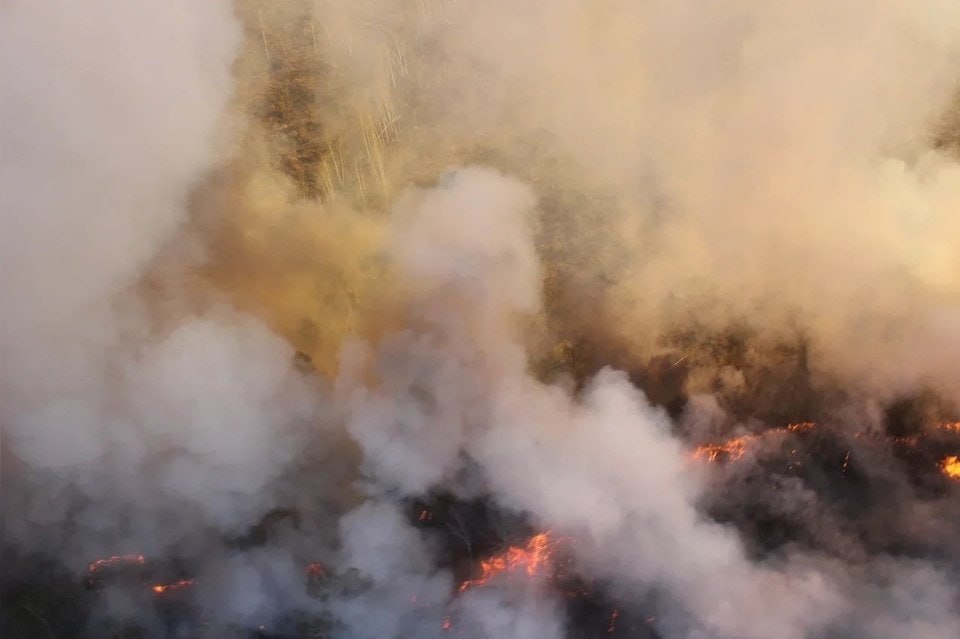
{"points": [[734, 449], [177, 585], [534, 558], [724, 451], [951, 467], [114, 561]]}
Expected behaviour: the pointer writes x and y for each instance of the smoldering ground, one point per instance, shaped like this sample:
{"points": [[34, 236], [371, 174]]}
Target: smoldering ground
{"points": [[275, 272]]}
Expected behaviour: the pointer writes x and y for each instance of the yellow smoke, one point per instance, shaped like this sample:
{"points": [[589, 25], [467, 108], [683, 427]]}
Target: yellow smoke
{"points": [[694, 170]]}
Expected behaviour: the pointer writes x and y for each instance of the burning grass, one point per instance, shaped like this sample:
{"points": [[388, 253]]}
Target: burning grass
{"points": [[735, 448], [113, 562], [181, 584], [534, 560]]}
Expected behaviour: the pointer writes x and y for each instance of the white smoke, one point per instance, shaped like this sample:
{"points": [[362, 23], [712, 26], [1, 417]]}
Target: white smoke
{"points": [[469, 270], [603, 469], [111, 115], [767, 162], [405, 595]]}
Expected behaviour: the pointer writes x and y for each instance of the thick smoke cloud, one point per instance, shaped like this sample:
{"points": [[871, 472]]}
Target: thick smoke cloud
{"points": [[310, 257], [125, 429], [604, 469], [784, 151], [111, 114]]}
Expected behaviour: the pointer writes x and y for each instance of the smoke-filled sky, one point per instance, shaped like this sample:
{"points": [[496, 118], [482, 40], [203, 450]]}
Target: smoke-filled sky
{"points": [[328, 257]]}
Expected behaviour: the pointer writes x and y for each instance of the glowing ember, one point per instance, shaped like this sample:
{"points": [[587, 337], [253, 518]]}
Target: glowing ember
{"points": [[613, 620], [446, 623], [911, 441], [316, 569], [799, 428], [951, 467], [952, 427], [177, 585], [116, 561], [531, 559]]}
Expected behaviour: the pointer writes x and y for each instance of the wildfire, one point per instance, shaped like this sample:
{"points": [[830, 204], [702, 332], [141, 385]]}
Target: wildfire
{"points": [[533, 559], [115, 561], [734, 449], [951, 467], [96, 569], [316, 569], [172, 587], [953, 427], [728, 450], [612, 626]]}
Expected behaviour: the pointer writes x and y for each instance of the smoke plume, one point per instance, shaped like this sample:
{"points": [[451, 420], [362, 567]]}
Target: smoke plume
{"points": [[315, 312]]}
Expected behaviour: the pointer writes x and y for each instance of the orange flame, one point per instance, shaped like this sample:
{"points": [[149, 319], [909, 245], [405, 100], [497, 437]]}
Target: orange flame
{"points": [[951, 467], [115, 560], [950, 426], [729, 450], [532, 559], [177, 585], [734, 449]]}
